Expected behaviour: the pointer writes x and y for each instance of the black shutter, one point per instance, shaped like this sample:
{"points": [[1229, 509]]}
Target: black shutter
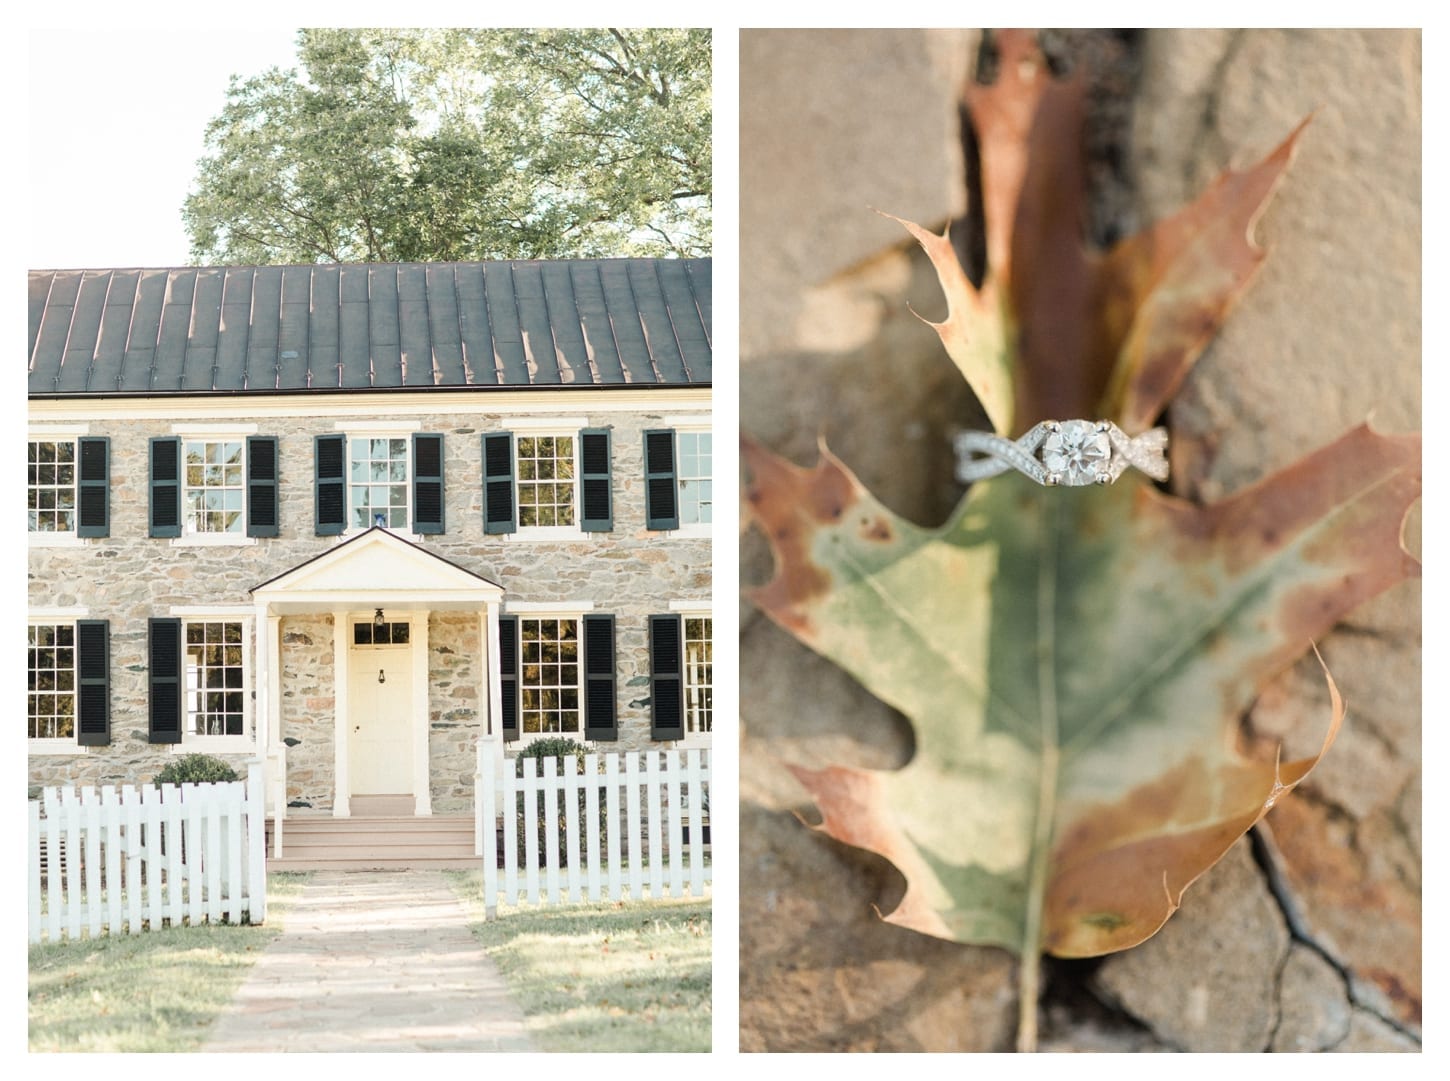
{"points": [[330, 484], [93, 694], [262, 508], [600, 720], [508, 674], [661, 495], [498, 483], [166, 487], [427, 483], [667, 686], [93, 495], [598, 516], [164, 647]]}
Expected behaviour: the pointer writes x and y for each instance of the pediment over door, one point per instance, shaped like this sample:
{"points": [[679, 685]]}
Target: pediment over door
{"points": [[376, 569]]}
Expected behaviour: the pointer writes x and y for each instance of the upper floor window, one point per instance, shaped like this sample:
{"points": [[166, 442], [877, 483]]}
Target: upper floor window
{"points": [[67, 486], [694, 477], [547, 482], [215, 490], [678, 484], [378, 482], [210, 487], [391, 478], [52, 486]]}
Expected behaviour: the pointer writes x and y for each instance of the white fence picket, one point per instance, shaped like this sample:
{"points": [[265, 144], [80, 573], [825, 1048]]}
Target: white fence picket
{"points": [[655, 804], [114, 840], [114, 863]]}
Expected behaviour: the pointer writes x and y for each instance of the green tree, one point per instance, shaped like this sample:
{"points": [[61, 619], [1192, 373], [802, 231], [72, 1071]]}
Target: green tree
{"points": [[413, 144]]}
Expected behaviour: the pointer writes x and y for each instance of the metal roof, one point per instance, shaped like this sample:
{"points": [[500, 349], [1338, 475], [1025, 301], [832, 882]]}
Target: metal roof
{"points": [[357, 327]]}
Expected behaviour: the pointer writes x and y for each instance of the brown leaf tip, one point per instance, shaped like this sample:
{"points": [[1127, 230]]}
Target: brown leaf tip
{"points": [[791, 505]]}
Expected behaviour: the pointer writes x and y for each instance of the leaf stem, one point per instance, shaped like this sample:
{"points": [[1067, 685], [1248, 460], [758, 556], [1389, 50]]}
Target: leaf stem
{"points": [[1031, 970]]}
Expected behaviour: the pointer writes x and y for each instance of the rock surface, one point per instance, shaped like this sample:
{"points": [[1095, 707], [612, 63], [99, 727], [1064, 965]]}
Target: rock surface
{"points": [[835, 122]]}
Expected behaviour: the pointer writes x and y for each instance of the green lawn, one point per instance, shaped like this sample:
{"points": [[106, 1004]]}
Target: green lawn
{"points": [[156, 991], [631, 976]]}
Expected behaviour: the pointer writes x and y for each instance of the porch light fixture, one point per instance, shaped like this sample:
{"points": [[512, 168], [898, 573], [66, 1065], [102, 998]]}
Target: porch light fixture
{"points": [[378, 619]]}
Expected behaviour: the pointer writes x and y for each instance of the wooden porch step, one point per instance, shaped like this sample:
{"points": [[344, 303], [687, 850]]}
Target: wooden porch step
{"points": [[391, 842]]}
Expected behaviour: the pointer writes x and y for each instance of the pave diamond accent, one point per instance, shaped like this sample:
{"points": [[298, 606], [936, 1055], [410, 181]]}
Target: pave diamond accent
{"points": [[1069, 452], [1078, 452]]}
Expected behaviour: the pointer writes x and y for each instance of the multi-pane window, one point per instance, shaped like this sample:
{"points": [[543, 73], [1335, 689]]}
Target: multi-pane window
{"points": [[52, 486], [215, 679], [378, 482], [380, 634], [546, 480], [699, 697], [52, 681], [215, 487], [693, 470], [549, 675]]}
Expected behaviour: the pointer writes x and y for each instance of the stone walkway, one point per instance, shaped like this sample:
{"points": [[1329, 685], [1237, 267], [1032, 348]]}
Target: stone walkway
{"points": [[373, 961]]}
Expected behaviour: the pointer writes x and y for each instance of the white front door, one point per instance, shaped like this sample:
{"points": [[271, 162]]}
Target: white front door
{"points": [[379, 705]]}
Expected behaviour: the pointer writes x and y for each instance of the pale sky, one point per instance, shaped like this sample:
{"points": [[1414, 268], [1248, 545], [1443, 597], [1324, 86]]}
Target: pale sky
{"points": [[116, 119]]}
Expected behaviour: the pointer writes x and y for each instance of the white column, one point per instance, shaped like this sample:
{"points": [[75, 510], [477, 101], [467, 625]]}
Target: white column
{"points": [[494, 717], [274, 749], [422, 789], [340, 804]]}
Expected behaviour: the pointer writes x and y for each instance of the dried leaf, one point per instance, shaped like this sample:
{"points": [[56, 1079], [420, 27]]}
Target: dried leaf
{"points": [[1074, 661]]}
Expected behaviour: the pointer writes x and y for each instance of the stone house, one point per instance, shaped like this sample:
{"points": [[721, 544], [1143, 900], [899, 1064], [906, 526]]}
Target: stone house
{"points": [[379, 524]]}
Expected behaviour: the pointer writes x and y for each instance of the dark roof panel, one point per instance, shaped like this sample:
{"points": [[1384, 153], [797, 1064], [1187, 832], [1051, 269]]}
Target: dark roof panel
{"points": [[228, 330]]}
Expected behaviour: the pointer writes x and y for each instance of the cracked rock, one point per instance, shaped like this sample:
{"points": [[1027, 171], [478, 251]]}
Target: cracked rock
{"points": [[1314, 1010], [1208, 980]]}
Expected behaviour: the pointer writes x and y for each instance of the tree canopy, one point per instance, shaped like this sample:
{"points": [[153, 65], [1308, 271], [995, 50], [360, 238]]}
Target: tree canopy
{"points": [[413, 145]]}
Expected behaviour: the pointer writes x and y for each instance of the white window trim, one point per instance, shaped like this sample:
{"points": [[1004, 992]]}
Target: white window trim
{"points": [[383, 429], [60, 433], [694, 610], [213, 433], [546, 427], [50, 617], [190, 742], [575, 610], [691, 425]]}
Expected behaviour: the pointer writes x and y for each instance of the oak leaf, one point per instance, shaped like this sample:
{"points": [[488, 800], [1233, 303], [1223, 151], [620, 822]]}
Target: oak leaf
{"points": [[1074, 661]]}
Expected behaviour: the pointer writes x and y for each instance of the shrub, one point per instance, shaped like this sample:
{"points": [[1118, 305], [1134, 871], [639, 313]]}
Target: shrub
{"points": [[554, 747], [195, 769]]}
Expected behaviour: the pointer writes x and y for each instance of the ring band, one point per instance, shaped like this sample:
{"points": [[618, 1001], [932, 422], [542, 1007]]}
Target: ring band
{"points": [[1069, 452]]}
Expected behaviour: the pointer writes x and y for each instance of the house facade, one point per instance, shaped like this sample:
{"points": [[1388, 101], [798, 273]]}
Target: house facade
{"points": [[380, 525]]}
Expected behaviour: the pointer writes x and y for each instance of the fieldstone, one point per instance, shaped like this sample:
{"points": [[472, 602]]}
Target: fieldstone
{"points": [[1314, 1009], [1368, 1033], [1207, 981]]}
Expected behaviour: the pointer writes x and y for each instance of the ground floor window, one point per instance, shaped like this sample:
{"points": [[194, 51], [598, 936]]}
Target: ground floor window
{"points": [[52, 681], [215, 679], [699, 696], [549, 675]]}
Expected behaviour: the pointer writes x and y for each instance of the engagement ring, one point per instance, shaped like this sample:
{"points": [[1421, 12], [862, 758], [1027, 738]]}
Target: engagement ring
{"points": [[1068, 452]]}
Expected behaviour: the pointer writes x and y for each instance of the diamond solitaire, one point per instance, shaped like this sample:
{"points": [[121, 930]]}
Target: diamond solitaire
{"points": [[1069, 452], [1076, 452]]}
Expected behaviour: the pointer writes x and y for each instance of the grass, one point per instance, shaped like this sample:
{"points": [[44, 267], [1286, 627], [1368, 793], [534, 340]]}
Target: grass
{"points": [[627, 976], [156, 991]]}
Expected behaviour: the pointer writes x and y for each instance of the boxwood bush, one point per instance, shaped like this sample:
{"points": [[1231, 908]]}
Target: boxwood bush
{"points": [[195, 769], [555, 747]]}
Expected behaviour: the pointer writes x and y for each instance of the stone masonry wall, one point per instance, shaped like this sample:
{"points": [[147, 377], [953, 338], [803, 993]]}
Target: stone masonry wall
{"points": [[129, 577]]}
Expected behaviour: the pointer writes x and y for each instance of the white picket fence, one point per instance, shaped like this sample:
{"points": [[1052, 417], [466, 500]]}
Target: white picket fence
{"points": [[652, 801], [113, 861]]}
